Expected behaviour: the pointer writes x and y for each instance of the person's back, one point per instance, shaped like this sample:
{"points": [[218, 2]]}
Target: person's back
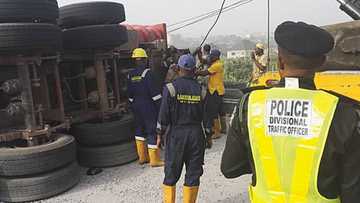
{"points": [[181, 111], [188, 91], [300, 143], [216, 78], [297, 125]]}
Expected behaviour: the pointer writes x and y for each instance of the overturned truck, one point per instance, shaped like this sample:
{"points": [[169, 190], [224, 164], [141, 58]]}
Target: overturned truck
{"points": [[37, 159], [63, 93]]}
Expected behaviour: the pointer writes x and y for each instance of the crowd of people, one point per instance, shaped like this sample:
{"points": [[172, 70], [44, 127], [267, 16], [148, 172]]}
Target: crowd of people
{"points": [[315, 159]]}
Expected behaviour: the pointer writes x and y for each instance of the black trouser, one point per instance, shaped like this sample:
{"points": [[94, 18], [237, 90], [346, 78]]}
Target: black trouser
{"points": [[184, 145], [212, 110]]}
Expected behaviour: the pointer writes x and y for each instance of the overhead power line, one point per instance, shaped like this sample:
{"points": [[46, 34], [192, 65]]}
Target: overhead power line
{"points": [[212, 27], [212, 14]]}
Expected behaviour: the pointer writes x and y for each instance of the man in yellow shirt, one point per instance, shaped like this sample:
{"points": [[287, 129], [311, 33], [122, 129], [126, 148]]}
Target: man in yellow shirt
{"points": [[215, 92]]}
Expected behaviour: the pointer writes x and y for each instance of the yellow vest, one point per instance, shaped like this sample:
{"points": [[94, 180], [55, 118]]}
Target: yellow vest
{"points": [[288, 129]]}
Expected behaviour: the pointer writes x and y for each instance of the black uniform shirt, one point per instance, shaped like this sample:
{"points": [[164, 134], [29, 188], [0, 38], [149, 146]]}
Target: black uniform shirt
{"points": [[186, 108], [339, 173]]}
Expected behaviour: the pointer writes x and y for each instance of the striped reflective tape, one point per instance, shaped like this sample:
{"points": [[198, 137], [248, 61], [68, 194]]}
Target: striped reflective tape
{"points": [[157, 97], [139, 138], [144, 73], [150, 146]]}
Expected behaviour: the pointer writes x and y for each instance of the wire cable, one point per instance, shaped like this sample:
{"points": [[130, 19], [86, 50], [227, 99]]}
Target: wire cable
{"points": [[205, 14], [212, 27], [193, 18], [209, 16]]}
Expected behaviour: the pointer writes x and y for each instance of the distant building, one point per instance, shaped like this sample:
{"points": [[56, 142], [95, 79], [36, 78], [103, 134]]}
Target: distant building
{"points": [[238, 54]]}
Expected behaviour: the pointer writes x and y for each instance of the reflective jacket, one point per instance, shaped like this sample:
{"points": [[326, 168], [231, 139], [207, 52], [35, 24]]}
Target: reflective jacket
{"points": [[288, 129], [334, 173], [141, 88]]}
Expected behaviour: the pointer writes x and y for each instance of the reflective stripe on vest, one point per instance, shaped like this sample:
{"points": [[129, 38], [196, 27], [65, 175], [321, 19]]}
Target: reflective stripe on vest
{"points": [[143, 75], [288, 130]]}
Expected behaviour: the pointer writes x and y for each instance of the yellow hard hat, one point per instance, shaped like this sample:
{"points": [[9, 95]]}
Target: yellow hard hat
{"points": [[260, 46], [139, 53]]}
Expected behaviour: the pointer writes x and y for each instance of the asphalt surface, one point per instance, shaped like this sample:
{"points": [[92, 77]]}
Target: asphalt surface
{"points": [[138, 184]]}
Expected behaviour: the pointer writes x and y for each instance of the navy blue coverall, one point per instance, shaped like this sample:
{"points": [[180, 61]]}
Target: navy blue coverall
{"points": [[182, 110], [145, 101]]}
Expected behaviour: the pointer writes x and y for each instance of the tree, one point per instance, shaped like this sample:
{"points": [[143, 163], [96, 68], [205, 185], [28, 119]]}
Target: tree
{"points": [[238, 70]]}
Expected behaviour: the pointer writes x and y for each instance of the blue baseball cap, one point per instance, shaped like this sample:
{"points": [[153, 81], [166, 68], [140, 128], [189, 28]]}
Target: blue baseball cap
{"points": [[215, 53], [187, 62]]}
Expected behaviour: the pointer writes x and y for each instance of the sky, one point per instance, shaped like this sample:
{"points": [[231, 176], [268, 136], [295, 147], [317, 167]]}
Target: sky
{"points": [[247, 19]]}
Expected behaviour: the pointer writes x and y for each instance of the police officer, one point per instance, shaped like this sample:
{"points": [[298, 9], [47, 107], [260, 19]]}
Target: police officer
{"points": [[145, 101], [301, 144], [182, 109], [215, 93]]}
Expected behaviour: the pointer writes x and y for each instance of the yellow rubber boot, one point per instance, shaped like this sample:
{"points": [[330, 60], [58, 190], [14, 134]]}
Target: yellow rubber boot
{"points": [[147, 158], [190, 194], [217, 129], [169, 194], [155, 160], [142, 152]]}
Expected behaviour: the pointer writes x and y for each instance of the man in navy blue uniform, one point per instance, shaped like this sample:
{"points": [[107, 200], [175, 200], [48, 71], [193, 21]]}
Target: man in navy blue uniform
{"points": [[182, 111], [145, 101]]}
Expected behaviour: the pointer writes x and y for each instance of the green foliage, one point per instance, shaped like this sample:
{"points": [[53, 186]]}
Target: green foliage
{"points": [[238, 70]]}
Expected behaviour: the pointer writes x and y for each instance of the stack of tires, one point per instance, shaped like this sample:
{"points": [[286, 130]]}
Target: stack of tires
{"points": [[232, 96], [106, 144], [28, 27], [95, 26], [38, 172], [27, 173]]}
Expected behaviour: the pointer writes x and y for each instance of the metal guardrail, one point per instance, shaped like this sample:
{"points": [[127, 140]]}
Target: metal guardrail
{"points": [[351, 7]]}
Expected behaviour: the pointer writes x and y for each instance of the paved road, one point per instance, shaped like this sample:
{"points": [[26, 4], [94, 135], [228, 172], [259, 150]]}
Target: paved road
{"points": [[137, 184]]}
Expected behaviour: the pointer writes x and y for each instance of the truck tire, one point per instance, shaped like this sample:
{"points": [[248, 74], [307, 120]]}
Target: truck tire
{"points": [[107, 156], [99, 134], [28, 11], [27, 38], [94, 37], [91, 13], [42, 186], [38, 159]]}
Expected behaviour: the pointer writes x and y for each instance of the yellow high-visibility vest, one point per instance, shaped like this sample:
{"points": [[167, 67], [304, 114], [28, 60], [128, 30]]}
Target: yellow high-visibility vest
{"points": [[288, 129]]}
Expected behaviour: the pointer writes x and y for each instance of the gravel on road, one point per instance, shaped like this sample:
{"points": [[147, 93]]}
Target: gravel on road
{"points": [[133, 183]]}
